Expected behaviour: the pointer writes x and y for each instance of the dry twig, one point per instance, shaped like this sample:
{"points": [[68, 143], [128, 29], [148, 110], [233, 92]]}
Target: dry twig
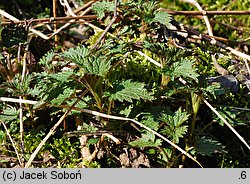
{"points": [[108, 27], [12, 142], [95, 113], [226, 123], [219, 68], [52, 130], [14, 19], [172, 12], [54, 16]]}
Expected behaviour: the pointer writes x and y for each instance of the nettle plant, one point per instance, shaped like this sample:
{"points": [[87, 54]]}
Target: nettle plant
{"points": [[132, 75]]}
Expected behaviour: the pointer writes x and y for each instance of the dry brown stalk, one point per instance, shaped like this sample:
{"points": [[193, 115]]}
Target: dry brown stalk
{"points": [[12, 142], [54, 16], [14, 19], [51, 20], [88, 4], [230, 49], [108, 27], [192, 13]]}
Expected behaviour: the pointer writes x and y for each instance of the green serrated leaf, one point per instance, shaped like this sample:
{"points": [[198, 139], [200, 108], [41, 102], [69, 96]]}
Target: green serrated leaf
{"points": [[127, 110], [66, 93], [214, 90], [179, 133], [46, 60], [96, 66], [88, 64], [174, 129], [99, 8], [34, 92], [128, 90], [162, 17], [182, 68], [61, 77], [151, 123], [147, 140], [208, 146], [227, 113], [9, 114], [176, 119], [77, 55]]}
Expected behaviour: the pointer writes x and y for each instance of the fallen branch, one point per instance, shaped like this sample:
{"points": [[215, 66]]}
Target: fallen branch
{"points": [[95, 113], [108, 27], [226, 123], [49, 20], [14, 19], [6, 99], [149, 58], [52, 130], [12, 142], [224, 46], [219, 68], [191, 13]]}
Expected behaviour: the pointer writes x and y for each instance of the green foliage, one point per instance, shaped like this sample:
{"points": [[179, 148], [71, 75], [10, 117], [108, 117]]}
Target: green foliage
{"points": [[208, 146], [9, 114], [47, 59], [128, 90], [96, 66], [163, 18], [18, 87], [151, 123], [100, 8], [147, 140], [174, 128], [183, 68], [88, 63], [2, 136], [115, 79], [65, 151], [31, 142], [77, 55]]}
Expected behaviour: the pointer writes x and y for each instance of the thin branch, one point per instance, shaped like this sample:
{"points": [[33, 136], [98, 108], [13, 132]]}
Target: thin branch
{"points": [[14, 19], [24, 68], [70, 22], [150, 59], [48, 20], [227, 40], [95, 113], [88, 4], [52, 130], [224, 46], [191, 13], [54, 16], [6, 99], [108, 27], [226, 123], [219, 68], [111, 137], [12, 142], [247, 66], [65, 3]]}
